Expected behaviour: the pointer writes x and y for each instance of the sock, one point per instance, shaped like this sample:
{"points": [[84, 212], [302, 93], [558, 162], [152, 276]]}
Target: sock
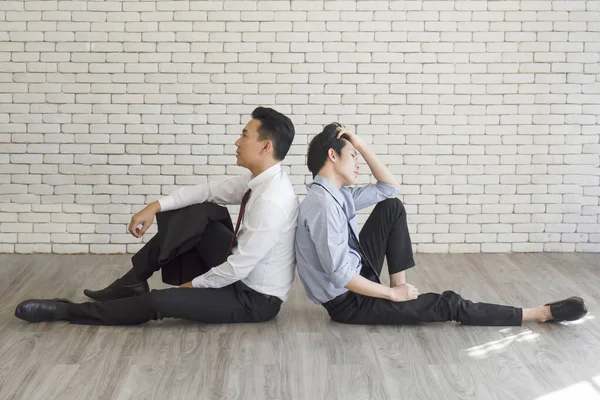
{"points": [[130, 279]]}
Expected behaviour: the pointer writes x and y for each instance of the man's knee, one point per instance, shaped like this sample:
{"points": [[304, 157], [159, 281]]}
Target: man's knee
{"points": [[269, 315], [393, 205], [392, 202]]}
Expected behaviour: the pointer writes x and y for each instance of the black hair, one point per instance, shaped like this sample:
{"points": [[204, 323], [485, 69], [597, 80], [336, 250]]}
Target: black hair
{"points": [[319, 146], [277, 128]]}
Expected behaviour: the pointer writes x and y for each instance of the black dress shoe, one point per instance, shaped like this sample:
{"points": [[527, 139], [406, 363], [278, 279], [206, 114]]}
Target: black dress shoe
{"points": [[42, 310], [570, 309], [116, 290]]}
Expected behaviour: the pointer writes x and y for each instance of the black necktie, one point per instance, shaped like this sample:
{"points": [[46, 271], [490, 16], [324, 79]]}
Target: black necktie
{"points": [[366, 261], [239, 220]]}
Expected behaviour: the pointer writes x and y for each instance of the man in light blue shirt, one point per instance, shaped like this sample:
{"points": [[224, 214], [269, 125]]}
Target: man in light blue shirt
{"points": [[340, 267]]}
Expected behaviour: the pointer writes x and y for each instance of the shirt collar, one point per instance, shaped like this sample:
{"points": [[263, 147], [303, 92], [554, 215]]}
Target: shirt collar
{"points": [[335, 192], [264, 176]]}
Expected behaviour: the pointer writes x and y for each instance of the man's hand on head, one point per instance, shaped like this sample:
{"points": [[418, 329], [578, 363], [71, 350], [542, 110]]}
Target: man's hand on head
{"points": [[357, 142]]}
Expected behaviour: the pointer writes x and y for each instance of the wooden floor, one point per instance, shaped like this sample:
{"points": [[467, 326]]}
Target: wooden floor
{"points": [[302, 354]]}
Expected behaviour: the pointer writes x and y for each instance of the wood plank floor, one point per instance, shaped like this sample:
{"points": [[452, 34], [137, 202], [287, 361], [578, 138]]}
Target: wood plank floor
{"points": [[302, 354]]}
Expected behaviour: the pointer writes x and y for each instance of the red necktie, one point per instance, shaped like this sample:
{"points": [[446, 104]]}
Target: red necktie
{"points": [[239, 220]]}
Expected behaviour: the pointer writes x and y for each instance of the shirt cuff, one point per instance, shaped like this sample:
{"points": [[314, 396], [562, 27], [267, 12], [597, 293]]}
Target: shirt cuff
{"points": [[199, 282], [341, 277], [388, 190], [167, 203]]}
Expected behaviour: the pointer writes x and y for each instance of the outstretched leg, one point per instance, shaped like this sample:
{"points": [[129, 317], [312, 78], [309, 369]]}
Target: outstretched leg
{"points": [[229, 304]]}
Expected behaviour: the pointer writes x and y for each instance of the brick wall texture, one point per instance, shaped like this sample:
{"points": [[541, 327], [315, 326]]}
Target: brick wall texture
{"points": [[487, 111]]}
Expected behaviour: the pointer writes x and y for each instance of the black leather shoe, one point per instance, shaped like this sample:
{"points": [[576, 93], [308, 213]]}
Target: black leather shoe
{"points": [[117, 291], [570, 309], [42, 310]]}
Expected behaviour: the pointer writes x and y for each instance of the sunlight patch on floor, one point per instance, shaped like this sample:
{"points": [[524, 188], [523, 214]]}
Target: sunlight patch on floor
{"points": [[497, 346], [578, 391]]}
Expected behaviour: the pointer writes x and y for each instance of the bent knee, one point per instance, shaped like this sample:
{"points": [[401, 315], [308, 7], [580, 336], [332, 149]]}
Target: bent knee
{"points": [[393, 204], [268, 315]]}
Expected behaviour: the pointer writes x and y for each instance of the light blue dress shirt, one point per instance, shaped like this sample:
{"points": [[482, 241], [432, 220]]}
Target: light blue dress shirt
{"points": [[327, 255]]}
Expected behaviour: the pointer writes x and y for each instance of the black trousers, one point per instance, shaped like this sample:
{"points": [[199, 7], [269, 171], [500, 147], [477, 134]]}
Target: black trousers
{"points": [[386, 233], [233, 303], [209, 252]]}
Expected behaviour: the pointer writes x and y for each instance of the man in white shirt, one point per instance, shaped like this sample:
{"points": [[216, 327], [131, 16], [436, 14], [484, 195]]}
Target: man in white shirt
{"points": [[243, 283]]}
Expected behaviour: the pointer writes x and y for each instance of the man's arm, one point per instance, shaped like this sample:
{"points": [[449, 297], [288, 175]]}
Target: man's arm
{"points": [[361, 285], [261, 231], [325, 228], [380, 170], [229, 191], [386, 187]]}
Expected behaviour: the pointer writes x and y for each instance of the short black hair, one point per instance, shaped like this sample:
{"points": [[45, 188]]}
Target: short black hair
{"points": [[319, 147], [277, 128]]}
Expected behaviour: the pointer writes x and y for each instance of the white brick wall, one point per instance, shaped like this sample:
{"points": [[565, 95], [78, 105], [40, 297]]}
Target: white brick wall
{"points": [[488, 111]]}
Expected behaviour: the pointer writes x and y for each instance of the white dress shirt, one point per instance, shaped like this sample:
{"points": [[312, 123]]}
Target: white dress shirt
{"points": [[264, 256]]}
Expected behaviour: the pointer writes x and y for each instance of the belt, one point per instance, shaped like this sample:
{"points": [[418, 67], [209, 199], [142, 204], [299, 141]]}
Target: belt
{"points": [[272, 299], [335, 302]]}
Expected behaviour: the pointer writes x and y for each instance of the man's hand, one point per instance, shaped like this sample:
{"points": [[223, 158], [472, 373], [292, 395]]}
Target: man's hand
{"points": [[187, 285], [379, 170], [145, 218], [357, 142], [404, 292]]}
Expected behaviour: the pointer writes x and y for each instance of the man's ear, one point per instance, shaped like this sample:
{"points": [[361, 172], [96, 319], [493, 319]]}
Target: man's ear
{"points": [[267, 146], [332, 155]]}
